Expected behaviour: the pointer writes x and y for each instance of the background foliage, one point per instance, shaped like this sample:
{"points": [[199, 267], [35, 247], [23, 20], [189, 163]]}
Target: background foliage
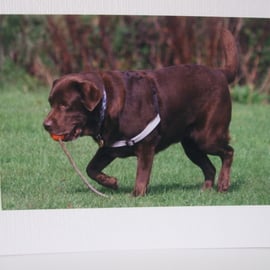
{"points": [[48, 46]]}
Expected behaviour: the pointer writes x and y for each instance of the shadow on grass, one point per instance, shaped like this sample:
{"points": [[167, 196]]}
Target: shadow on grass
{"points": [[236, 185], [159, 188], [163, 188]]}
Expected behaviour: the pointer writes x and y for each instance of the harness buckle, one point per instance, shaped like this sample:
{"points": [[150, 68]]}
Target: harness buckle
{"points": [[130, 143]]}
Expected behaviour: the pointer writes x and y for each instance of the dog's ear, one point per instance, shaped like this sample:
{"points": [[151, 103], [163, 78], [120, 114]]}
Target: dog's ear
{"points": [[91, 95]]}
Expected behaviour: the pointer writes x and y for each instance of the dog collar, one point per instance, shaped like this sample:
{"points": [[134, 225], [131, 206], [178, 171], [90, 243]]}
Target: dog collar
{"points": [[102, 111], [148, 129], [103, 107]]}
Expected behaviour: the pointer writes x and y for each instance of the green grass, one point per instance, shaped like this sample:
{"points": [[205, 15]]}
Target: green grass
{"points": [[35, 173]]}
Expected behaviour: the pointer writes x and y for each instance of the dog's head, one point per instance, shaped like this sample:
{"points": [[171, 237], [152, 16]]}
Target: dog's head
{"points": [[74, 100]]}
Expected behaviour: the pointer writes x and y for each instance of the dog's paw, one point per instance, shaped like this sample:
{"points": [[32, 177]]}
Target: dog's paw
{"points": [[208, 185], [107, 181], [113, 183], [223, 186], [139, 192]]}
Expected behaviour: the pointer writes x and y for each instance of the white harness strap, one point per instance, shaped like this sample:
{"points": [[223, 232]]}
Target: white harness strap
{"points": [[149, 128]]}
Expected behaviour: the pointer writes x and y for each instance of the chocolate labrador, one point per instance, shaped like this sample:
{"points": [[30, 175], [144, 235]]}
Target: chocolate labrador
{"points": [[139, 113]]}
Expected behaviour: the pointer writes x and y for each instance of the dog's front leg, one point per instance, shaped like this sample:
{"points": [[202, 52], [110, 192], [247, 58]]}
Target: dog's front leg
{"points": [[145, 156], [102, 158]]}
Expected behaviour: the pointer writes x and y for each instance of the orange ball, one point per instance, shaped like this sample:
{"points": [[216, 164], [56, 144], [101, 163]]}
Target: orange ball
{"points": [[57, 137]]}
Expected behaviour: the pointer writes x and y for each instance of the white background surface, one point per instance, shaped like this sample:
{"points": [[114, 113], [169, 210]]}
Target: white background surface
{"points": [[186, 259], [152, 238], [82, 230]]}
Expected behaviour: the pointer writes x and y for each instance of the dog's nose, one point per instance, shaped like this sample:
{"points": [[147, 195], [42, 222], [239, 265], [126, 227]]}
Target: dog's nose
{"points": [[47, 124]]}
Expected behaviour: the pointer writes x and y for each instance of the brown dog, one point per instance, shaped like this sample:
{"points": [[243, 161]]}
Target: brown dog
{"points": [[139, 113]]}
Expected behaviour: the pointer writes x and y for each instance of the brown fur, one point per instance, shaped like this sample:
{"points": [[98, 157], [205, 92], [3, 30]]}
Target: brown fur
{"points": [[194, 105]]}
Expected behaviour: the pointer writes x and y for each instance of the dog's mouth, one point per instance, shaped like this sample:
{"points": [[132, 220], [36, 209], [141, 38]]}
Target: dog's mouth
{"points": [[73, 135]]}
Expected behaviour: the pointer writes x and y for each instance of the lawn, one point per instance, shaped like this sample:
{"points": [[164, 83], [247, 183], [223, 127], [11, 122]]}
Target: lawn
{"points": [[35, 173]]}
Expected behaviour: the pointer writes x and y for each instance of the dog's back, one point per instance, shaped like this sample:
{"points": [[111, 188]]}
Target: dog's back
{"points": [[191, 96]]}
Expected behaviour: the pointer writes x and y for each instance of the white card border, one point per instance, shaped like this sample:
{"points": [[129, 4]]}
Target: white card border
{"points": [[53, 231], [116, 229], [221, 8]]}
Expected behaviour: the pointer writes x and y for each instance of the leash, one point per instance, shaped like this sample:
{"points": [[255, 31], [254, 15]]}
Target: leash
{"points": [[78, 171]]}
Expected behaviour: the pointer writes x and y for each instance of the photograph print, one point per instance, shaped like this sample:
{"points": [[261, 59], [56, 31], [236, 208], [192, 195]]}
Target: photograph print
{"points": [[134, 111]]}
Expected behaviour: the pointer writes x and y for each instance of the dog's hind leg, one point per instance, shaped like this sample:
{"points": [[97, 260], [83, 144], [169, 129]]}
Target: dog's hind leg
{"points": [[226, 156], [94, 169], [225, 152], [200, 159], [218, 146]]}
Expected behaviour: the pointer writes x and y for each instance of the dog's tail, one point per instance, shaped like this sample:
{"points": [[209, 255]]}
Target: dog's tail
{"points": [[231, 55]]}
